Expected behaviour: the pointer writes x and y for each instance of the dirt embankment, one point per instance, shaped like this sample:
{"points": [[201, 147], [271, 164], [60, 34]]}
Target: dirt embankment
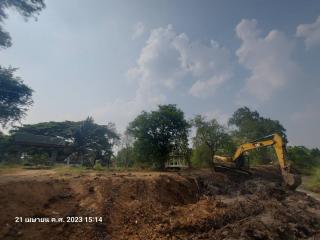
{"points": [[194, 205]]}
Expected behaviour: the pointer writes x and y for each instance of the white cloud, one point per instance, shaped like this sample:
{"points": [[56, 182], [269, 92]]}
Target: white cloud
{"points": [[122, 111], [310, 33], [168, 58], [209, 65], [269, 59], [158, 63], [138, 30], [220, 116]]}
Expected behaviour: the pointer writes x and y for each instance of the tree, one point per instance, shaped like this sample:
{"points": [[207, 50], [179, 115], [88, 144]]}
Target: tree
{"points": [[84, 137], [125, 156], [37, 152], [15, 97], [303, 158], [3, 145], [95, 141], [64, 130], [27, 8], [158, 133], [249, 125], [201, 156], [210, 134]]}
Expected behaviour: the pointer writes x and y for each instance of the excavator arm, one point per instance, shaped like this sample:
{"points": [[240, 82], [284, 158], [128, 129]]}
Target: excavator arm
{"points": [[275, 140]]}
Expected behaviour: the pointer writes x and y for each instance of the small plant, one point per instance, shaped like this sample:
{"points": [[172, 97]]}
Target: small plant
{"points": [[97, 166], [37, 159]]}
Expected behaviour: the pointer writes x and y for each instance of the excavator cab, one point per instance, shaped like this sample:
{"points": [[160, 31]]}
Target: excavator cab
{"points": [[243, 161], [239, 161]]}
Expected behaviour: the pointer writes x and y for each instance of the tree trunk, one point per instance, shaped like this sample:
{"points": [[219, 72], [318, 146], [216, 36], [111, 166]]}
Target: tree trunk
{"points": [[162, 165], [53, 157], [211, 162]]}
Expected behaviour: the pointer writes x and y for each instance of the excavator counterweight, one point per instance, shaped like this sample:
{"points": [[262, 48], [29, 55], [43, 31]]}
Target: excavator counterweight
{"points": [[290, 179]]}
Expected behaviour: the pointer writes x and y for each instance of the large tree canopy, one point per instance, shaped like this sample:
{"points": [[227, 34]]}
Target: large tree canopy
{"points": [[15, 97], [65, 130], [250, 125], [158, 133], [84, 137], [27, 8], [93, 138]]}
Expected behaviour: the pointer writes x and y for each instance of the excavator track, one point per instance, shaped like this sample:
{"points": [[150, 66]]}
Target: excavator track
{"points": [[223, 168]]}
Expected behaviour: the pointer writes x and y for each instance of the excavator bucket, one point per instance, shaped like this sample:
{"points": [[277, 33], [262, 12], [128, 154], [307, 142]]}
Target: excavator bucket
{"points": [[291, 180]]}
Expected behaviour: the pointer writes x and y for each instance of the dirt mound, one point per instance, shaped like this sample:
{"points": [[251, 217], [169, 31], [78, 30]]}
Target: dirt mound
{"points": [[192, 205]]}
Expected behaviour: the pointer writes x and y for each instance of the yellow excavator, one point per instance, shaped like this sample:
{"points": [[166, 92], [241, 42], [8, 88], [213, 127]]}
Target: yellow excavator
{"points": [[238, 160]]}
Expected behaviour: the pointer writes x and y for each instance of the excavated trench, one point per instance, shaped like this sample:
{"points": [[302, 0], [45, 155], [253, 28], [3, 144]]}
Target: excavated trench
{"points": [[195, 205]]}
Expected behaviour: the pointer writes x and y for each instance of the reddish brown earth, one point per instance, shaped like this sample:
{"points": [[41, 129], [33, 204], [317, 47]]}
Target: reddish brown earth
{"points": [[153, 205]]}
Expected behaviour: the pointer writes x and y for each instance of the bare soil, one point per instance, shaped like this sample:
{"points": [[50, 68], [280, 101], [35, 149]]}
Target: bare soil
{"points": [[153, 205]]}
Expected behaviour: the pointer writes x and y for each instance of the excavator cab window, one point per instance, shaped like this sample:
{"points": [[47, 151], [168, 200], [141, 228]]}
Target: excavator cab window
{"points": [[246, 164], [243, 161]]}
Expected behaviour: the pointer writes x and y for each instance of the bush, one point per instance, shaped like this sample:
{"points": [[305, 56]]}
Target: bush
{"points": [[304, 159], [126, 157], [201, 156], [97, 166], [313, 184], [37, 159]]}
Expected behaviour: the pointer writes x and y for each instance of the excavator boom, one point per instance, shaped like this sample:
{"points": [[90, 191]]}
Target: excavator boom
{"points": [[291, 180]]}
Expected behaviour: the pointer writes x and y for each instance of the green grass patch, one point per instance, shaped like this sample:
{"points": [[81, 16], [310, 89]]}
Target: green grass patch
{"points": [[313, 182]]}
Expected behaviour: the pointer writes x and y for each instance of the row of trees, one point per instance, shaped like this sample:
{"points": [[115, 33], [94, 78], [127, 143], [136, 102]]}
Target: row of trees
{"points": [[304, 158], [152, 136]]}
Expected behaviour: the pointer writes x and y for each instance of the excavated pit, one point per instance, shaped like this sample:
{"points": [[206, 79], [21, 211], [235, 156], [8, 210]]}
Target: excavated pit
{"points": [[187, 205]]}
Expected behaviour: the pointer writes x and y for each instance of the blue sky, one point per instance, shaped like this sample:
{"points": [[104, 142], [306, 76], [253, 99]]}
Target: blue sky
{"points": [[113, 59]]}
